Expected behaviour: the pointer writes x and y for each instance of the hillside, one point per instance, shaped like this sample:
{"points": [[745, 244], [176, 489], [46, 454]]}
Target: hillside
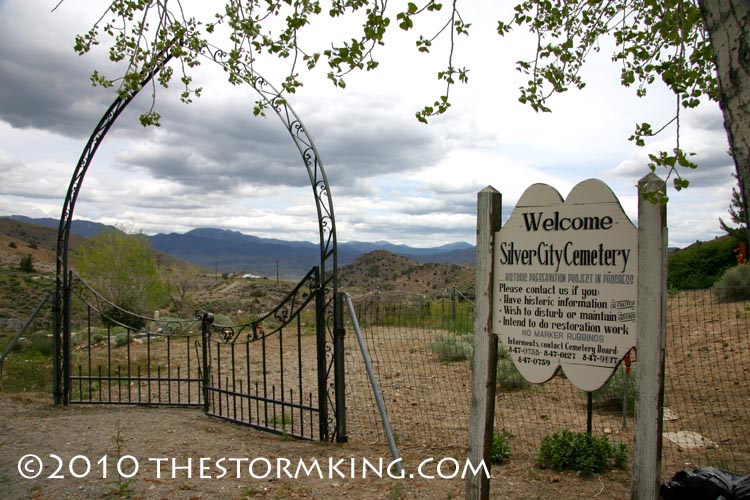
{"points": [[378, 271], [20, 292], [385, 272]]}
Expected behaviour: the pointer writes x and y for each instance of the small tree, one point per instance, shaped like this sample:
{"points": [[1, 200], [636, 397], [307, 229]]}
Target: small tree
{"points": [[26, 264], [736, 215], [183, 282], [122, 267]]}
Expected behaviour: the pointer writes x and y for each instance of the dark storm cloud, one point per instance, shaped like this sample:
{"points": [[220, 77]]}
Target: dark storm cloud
{"points": [[209, 147], [213, 144], [369, 136], [42, 91], [43, 83], [219, 144]]}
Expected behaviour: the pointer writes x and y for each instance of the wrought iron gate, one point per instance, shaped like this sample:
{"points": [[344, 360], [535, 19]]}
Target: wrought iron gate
{"points": [[329, 323], [269, 373], [119, 357]]}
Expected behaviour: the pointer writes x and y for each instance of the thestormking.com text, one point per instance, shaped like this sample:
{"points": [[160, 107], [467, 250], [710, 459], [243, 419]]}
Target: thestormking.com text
{"points": [[259, 468]]}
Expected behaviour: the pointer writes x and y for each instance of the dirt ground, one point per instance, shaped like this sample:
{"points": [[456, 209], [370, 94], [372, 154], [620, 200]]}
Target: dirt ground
{"points": [[706, 393], [164, 440]]}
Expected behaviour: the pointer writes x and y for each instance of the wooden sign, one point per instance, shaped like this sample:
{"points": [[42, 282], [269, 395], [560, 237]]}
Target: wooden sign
{"points": [[565, 284]]}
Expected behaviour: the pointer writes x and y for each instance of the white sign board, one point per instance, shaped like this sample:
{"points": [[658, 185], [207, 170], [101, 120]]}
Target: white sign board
{"points": [[565, 284]]}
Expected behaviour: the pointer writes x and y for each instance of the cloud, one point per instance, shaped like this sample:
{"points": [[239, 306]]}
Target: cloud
{"points": [[703, 135], [39, 87], [41, 180], [212, 163]]}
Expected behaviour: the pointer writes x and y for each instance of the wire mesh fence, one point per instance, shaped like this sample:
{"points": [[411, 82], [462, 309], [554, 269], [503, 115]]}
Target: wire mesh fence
{"points": [[27, 365], [421, 354], [707, 401]]}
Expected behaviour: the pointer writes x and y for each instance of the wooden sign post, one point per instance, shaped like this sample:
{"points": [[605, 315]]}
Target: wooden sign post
{"points": [[574, 285], [652, 341]]}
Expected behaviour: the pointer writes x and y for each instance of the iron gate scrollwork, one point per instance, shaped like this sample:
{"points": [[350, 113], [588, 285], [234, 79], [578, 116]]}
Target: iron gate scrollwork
{"points": [[328, 317]]}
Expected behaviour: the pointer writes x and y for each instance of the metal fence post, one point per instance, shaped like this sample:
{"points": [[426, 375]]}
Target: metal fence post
{"points": [[338, 367], [206, 320], [321, 334], [66, 332]]}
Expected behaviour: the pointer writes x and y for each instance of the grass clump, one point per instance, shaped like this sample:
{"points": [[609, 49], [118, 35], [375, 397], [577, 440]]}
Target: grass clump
{"points": [[508, 376], [580, 452]]}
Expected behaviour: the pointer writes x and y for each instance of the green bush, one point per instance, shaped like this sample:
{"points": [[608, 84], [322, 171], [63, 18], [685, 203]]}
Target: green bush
{"points": [[26, 264], [734, 284], [121, 339], [500, 450], [580, 452], [115, 316], [611, 396]]}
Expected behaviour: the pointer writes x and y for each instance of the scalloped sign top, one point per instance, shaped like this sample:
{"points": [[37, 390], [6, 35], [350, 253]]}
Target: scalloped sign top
{"points": [[565, 284]]}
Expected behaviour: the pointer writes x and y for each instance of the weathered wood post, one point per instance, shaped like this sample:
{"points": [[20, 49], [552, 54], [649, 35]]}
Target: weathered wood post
{"points": [[651, 342], [484, 361]]}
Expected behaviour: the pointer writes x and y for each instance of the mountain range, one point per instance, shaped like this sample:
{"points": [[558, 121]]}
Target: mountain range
{"points": [[226, 251]]}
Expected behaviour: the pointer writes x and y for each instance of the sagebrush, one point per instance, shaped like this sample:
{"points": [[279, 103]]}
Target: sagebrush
{"points": [[734, 284]]}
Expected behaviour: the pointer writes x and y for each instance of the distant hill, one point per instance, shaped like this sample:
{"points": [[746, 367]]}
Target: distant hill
{"points": [[227, 251], [231, 251], [28, 234], [81, 227], [385, 272]]}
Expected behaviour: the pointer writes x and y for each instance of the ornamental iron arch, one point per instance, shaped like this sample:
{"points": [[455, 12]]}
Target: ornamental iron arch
{"points": [[329, 318]]}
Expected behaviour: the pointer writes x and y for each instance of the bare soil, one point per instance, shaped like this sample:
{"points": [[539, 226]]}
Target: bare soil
{"points": [[30, 425]]}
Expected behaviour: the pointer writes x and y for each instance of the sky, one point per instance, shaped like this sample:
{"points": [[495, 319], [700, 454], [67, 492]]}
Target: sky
{"points": [[213, 164]]}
